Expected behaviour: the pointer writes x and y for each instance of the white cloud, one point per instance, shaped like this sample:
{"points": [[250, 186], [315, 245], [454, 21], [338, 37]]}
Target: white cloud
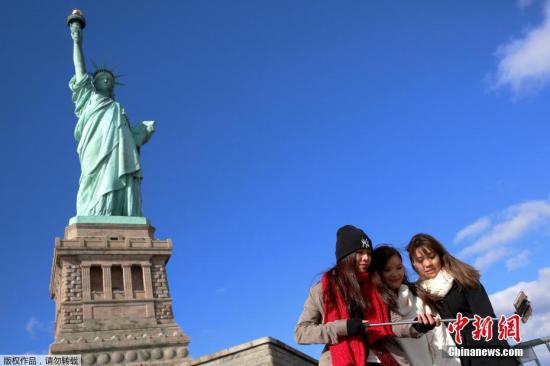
{"points": [[518, 261], [473, 229], [35, 326], [524, 63], [524, 3], [538, 292], [490, 257], [32, 326], [515, 221]]}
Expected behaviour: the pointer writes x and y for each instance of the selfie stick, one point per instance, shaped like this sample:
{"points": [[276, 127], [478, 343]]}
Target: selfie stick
{"points": [[521, 304]]}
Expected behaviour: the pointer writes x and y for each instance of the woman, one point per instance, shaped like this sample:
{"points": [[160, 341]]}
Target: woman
{"points": [[405, 301], [334, 311], [456, 287]]}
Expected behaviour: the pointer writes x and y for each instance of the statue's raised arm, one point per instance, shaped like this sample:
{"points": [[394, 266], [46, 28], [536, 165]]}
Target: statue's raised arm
{"points": [[76, 23]]}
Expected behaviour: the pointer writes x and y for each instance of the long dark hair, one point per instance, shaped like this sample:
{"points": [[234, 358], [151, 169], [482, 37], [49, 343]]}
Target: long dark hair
{"points": [[381, 256], [464, 274], [343, 276]]}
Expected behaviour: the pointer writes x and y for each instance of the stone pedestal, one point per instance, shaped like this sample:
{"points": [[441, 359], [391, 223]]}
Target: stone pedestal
{"points": [[266, 351], [113, 304]]}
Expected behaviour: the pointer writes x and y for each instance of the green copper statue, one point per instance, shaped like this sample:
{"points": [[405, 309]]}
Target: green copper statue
{"points": [[108, 146]]}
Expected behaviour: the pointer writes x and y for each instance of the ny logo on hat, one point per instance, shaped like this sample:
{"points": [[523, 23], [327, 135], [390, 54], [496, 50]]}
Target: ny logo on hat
{"points": [[365, 243]]}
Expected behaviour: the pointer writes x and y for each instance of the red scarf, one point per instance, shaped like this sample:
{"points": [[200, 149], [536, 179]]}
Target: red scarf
{"points": [[351, 351]]}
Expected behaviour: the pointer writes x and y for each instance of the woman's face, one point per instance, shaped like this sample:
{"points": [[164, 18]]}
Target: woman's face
{"points": [[393, 272], [363, 257], [426, 262]]}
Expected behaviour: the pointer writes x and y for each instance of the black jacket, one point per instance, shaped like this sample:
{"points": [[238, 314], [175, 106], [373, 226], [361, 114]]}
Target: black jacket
{"points": [[470, 302]]}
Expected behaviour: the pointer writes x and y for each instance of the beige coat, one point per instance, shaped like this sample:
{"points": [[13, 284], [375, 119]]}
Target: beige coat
{"points": [[311, 330], [431, 348]]}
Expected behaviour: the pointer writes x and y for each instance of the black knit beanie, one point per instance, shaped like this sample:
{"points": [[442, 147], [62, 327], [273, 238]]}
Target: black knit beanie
{"points": [[349, 239]]}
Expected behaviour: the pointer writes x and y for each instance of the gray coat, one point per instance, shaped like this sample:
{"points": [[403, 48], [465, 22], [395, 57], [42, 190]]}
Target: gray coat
{"points": [[311, 330]]}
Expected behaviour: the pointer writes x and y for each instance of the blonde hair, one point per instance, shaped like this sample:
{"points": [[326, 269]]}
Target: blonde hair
{"points": [[464, 274]]}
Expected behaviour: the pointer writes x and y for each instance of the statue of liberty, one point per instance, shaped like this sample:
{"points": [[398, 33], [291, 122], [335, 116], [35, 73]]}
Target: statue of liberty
{"points": [[108, 147]]}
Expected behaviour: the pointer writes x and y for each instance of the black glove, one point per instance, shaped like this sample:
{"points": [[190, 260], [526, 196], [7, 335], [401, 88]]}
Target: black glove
{"points": [[355, 327], [422, 328]]}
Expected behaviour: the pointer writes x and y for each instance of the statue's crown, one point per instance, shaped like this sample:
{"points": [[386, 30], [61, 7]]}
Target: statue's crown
{"points": [[103, 69], [99, 70]]}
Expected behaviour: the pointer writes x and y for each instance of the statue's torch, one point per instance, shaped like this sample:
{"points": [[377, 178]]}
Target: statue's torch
{"points": [[76, 19]]}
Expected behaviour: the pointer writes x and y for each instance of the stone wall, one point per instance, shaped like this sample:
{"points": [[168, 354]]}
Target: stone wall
{"points": [[113, 322], [265, 351], [163, 310], [72, 315], [71, 282], [160, 284]]}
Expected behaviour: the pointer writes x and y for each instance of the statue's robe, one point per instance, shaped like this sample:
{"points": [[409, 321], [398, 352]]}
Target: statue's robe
{"points": [[109, 157]]}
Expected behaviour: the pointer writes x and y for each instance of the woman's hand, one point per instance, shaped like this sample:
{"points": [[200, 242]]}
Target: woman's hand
{"points": [[426, 322], [355, 327]]}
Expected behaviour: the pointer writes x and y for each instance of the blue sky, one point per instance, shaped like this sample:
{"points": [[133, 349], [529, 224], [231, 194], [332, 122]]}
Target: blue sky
{"points": [[278, 122]]}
